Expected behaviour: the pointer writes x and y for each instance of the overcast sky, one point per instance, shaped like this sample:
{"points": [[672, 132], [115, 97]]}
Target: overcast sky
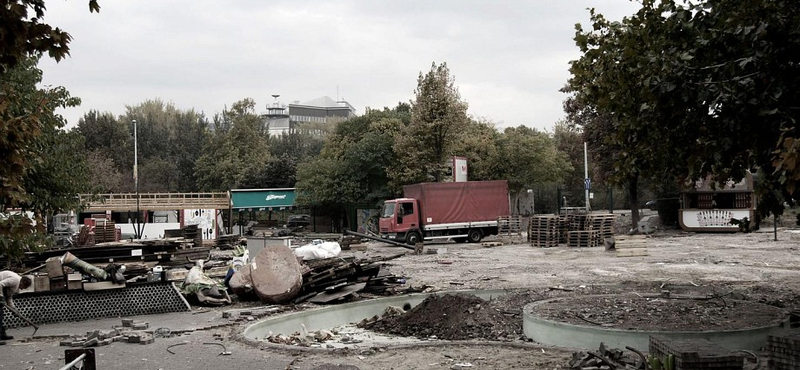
{"points": [[508, 58]]}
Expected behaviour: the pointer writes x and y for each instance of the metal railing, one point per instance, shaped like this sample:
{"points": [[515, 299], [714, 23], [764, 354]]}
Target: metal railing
{"points": [[155, 201]]}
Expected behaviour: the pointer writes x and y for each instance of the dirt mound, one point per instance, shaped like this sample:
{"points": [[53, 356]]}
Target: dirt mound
{"points": [[451, 317]]}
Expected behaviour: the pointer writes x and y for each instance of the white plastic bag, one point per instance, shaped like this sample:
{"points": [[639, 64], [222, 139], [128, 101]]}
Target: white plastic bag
{"points": [[318, 249]]}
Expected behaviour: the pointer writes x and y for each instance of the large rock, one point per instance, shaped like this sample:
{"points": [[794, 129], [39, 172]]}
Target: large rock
{"points": [[242, 284], [276, 274]]}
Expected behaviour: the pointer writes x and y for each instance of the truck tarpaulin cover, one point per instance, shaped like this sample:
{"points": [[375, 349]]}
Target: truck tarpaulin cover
{"points": [[450, 202]]}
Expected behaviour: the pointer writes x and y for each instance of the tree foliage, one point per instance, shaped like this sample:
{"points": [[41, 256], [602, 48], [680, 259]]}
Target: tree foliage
{"points": [[352, 167], [42, 168], [684, 91], [438, 117], [23, 33], [237, 150]]}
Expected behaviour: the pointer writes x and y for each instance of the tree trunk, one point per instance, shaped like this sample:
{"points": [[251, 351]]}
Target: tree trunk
{"points": [[633, 197]]}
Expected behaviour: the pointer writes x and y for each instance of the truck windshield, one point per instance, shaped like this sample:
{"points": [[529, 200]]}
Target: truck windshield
{"points": [[388, 210]]}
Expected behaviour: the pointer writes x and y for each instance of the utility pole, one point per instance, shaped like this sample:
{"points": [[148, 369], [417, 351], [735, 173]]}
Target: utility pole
{"points": [[587, 181], [138, 229]]}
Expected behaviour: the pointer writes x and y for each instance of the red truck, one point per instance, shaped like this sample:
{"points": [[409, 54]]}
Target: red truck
{"points": [[463, 211]]}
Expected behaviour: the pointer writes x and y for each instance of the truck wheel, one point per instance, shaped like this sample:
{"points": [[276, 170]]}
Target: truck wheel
{"points": [[413, 238], [474, 235]]}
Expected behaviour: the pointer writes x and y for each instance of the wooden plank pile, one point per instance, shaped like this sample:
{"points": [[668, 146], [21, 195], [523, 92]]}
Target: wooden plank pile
{"points": [[543, 231], [583, 238], [332, 279], [607, 359], [630, 245]]}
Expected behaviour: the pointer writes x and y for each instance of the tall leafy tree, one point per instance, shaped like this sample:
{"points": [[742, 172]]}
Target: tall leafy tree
{"points": [[352, 167], [237, 150], [438, 116], [528, 158], [697, 89], [42, 168]]}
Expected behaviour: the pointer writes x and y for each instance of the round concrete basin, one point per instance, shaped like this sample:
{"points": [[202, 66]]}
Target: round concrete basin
{"points": [[548, 331], [342, 314]]}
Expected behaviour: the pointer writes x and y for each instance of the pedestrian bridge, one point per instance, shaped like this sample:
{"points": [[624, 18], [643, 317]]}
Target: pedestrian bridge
{"points": [[120, 202]]}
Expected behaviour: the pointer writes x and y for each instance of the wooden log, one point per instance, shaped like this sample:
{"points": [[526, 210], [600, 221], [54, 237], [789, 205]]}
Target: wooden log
{"points": [[277, 276]]}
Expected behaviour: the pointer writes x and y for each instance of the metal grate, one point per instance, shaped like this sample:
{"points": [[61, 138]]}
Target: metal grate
{"points": [[144, 299]]}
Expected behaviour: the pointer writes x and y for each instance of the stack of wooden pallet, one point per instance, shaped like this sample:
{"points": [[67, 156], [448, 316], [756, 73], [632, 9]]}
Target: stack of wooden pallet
{"points": [[583, 238], [509, 225], [543, 231], [578, 222], [564, 222], [603, 223], [105, 231]]}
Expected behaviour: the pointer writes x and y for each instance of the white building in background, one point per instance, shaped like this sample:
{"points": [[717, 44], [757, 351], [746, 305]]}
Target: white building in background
{"points": [[280, 118]]}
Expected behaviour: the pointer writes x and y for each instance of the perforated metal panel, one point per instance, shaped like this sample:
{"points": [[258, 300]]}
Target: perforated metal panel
{"points": [[144, 299]]}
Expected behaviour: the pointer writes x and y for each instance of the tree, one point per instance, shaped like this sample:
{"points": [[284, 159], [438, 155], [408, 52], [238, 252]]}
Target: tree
{"points": [[23, 34], [43, 168], [237, 150], [695, 90], [25, 112], [528, 158], [438, 116], [352, 167], [478, 143]]}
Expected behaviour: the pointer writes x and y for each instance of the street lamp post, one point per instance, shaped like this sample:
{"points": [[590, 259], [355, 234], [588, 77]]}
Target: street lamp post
{"points": [[136, 176]]}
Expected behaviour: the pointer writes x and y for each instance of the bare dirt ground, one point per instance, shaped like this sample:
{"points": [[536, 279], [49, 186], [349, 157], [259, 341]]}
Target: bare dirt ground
{"points": [[749, 268]]}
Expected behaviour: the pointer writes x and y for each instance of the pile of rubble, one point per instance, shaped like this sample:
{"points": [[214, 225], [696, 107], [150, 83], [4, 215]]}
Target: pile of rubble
{"points": [[129, 332]]}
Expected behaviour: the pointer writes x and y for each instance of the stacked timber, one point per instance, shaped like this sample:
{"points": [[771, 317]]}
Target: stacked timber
{"points": [[583, 238], [166, 252], [192, 232], [564, 222], [543, 231], [578, 222], [229, 241], [784, 351], [105, 231], [509, 225], [334, 279], [630, 245], [601, 222]]}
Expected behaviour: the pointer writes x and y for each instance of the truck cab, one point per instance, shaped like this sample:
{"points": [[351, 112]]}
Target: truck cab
{"points": [[400, 220]]}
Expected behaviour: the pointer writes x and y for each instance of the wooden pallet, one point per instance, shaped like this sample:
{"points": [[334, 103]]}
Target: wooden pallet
{"points": [[543, 231], [631, 245], [602, 222], [583, 238]]}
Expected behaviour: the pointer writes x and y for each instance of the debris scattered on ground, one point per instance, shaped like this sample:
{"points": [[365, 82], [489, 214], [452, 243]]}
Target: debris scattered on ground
{"points": [[129, 332], [204, 289], [607, 359]]}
